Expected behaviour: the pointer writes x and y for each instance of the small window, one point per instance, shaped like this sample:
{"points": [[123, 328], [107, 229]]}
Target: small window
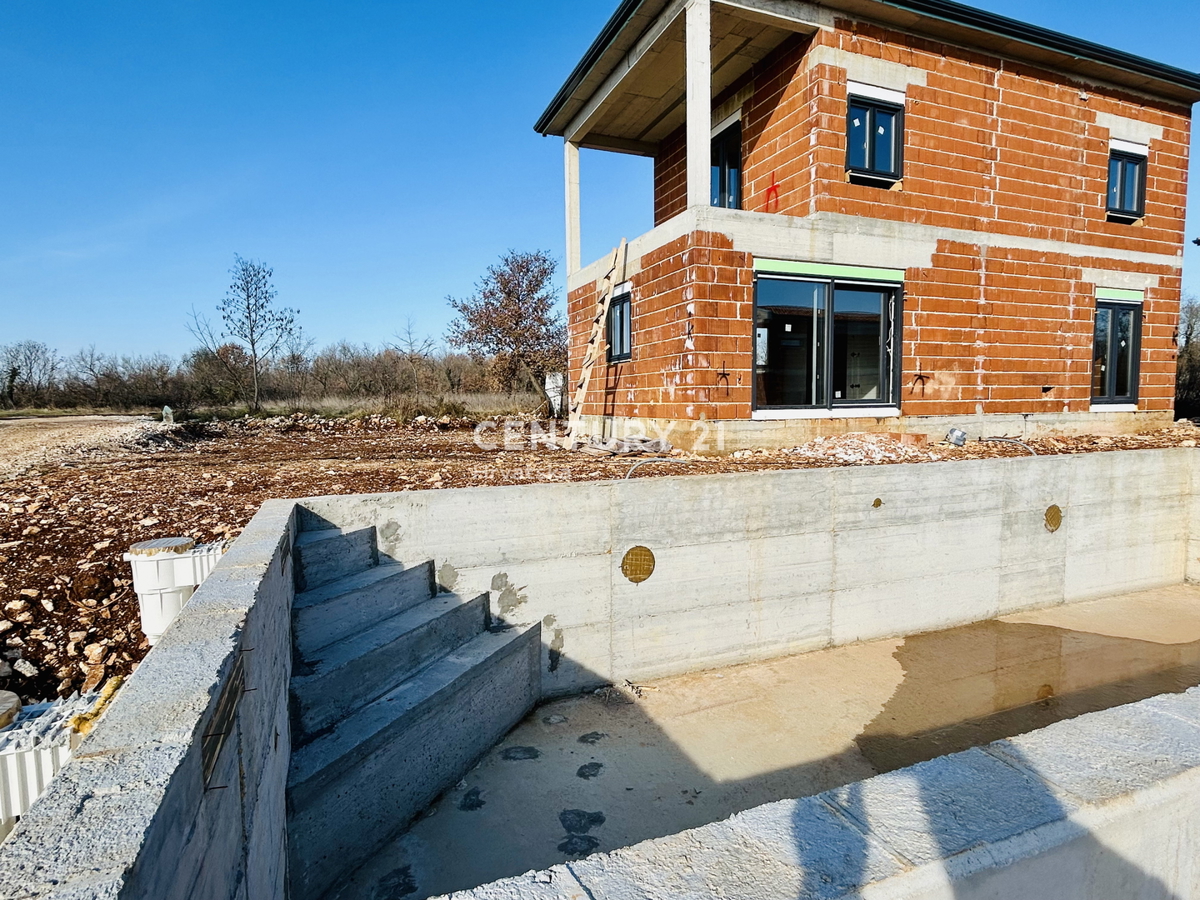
{"points": [[620, 334], [1117, 348], [727, 168], [874, 140], [1126, 185]]}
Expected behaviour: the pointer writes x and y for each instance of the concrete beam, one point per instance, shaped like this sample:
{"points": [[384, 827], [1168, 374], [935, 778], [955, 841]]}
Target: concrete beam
{"points": [[574, 228], [804, 18], [619, 145], [699, 102]]}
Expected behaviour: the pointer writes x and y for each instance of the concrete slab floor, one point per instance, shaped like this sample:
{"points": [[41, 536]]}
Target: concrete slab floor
{"points": [[593, 773]]}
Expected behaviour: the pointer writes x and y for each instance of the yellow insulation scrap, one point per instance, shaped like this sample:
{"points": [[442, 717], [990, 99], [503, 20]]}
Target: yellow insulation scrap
{"points": [[83, 723]]}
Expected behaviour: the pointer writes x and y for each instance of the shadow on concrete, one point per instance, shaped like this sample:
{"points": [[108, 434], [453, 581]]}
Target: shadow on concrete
{"points": [[608, 776], [939, 709]]}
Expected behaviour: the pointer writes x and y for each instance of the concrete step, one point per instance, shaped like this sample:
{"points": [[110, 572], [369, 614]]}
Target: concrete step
{"points": [[354, 788], [351, 673], [324, 556], [337, 610]]}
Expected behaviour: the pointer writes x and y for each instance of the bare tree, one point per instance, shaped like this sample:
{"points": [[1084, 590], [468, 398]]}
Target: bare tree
{"points": [[512, 318], [1189, 321], [1187, 363], [31, 369], [415, 352], [252, 321], [295, 362]]}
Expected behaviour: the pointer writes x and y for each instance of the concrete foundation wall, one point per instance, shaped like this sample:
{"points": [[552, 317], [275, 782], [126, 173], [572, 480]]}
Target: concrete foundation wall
{"points": [[770, 563], [748, 567], [720, 438], [132, 816], [1102, 806]]}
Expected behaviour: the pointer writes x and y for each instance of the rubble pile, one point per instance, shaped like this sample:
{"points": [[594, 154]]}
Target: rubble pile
{"points": [[633, 445], [866, 449]]}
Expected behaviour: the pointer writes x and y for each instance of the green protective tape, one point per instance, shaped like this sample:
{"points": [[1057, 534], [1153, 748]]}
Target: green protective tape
{"points": [[1116, 294], [787, 267]]}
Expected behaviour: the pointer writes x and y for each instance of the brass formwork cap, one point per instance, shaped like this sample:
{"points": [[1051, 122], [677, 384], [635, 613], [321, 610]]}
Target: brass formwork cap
{"points": [[163, 545], [10, 708]]}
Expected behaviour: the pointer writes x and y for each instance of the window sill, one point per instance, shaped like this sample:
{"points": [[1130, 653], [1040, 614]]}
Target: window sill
{"points": [[1121, 218], [867, 179], [855, 412], [1113, 408]]}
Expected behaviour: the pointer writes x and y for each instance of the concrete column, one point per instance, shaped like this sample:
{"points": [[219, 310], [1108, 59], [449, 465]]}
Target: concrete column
{"points": [[574, 234], [699, 102]]}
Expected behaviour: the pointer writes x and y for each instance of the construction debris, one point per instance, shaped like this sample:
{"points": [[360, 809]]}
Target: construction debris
{"points": [[636, 445]]}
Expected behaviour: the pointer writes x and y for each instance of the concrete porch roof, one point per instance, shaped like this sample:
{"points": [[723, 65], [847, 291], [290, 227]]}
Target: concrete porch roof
{"points": [[627, 93]]}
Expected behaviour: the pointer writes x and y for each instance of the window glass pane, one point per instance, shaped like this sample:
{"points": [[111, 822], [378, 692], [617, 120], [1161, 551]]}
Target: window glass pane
{"points": [[858, 334], [1130, 183], [883, 137], [726, 180], [716, 176], [790, 346], [857, 137], [1114, 183], [1100, 355], [734, 200], [619, 337], [1122, 352]]}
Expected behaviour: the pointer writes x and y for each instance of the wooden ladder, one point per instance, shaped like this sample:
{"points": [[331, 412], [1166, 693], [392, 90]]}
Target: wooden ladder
{"points": [[593, 351]]}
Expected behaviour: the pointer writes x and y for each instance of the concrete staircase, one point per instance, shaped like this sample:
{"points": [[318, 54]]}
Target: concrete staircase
{"points": [[397, 691]]}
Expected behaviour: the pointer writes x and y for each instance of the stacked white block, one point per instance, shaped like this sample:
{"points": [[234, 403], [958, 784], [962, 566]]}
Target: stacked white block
{"points": [[32, 750], [166, 572]]}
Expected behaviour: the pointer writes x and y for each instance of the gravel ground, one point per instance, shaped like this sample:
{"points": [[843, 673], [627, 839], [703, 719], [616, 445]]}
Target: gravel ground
{"points": [[68, 615], [26, 443]]}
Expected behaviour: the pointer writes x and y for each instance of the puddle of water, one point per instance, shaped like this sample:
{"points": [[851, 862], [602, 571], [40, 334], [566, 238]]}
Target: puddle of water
{"points": [[973, 685]]}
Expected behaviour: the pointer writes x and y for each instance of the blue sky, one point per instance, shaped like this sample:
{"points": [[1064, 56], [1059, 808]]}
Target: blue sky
{"points": [[379, 155]]}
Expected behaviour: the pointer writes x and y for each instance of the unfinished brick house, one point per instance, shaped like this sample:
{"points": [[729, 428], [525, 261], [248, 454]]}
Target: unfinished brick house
{"points": [[878, 215]]}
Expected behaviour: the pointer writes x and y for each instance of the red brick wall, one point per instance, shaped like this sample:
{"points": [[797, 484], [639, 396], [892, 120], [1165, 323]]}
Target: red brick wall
{"points": [[985, 330], [670, 177], [990, 146], [692, 336]]}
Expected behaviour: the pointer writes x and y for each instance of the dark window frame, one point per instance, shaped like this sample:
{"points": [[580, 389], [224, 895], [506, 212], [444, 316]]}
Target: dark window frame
{"points": [[620, 347], [870, 173], [727, 141], [1110, 397], [1143, 164], [890, 369]]}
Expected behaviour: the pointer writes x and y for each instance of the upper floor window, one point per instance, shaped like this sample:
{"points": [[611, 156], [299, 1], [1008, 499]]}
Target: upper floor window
{"points": [[875, 138], [619, 330], [727, 168], [1126, 184]]}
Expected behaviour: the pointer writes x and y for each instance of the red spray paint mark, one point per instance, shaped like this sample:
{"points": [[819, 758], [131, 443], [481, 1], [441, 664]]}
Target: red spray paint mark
{"points": [[772, 194]]}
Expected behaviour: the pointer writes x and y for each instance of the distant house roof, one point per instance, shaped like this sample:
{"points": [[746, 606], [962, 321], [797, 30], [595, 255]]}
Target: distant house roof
{"points": [[950, 21]]}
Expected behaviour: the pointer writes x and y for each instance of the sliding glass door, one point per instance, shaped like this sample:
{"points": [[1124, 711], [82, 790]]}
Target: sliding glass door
{"points": [[824, 344]]}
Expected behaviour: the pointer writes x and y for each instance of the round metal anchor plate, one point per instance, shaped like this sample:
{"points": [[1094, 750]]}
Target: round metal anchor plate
{"points": [[638, 564]]}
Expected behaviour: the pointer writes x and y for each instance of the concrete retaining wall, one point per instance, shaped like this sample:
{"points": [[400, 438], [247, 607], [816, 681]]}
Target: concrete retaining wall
{"points": [[769, 563], [133, 815], [1102, 806], [748, 566]]}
